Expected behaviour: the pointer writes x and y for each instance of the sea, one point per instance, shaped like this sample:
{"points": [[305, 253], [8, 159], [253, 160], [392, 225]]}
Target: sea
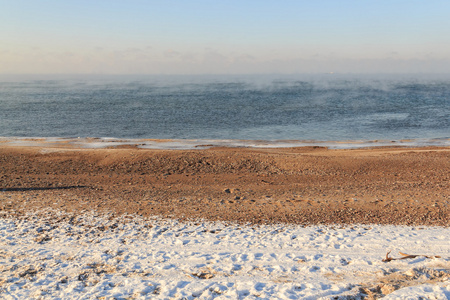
{"points": [[270, 108]]}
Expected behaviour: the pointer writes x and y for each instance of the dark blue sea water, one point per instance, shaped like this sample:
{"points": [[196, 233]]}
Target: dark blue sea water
{"points": [[301, 107]]}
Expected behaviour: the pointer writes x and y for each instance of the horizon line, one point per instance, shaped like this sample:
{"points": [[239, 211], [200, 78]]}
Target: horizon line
{"points": [[230, 74]]}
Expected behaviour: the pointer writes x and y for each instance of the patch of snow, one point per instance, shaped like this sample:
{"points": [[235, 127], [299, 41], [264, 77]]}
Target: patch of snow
{"points": [[89, 256]]}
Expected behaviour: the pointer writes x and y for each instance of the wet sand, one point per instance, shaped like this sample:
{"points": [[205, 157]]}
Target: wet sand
{"points": [[307, 185]]}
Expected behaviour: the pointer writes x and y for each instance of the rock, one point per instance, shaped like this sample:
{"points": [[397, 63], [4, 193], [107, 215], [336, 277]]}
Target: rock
{"points": [[387, 289]]}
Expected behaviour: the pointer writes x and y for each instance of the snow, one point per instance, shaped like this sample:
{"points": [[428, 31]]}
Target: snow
{"points": [[52, 254]]}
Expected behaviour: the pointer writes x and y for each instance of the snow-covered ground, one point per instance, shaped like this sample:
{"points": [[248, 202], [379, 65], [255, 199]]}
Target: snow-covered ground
{"points": [[89, 256]]}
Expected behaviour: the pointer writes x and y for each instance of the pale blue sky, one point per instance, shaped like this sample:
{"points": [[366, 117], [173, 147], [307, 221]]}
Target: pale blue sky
{"points": [[192, 37]]}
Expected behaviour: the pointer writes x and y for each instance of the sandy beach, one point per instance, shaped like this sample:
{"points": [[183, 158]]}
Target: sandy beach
{"points": [[305, 185], [224, 223]]}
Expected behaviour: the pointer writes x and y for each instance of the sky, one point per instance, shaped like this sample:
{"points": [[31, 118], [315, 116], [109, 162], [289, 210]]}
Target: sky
{"points": [[224, 37]]}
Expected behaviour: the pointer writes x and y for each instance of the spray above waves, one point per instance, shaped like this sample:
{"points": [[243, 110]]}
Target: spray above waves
{"points": [[276, 107]]}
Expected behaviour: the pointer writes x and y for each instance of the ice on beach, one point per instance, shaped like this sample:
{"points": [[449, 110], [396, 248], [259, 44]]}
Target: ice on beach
{"points": [[89, 256], [191, 144]]}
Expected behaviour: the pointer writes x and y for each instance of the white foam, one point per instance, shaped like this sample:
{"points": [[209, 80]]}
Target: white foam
{"points": [[178, 144]]}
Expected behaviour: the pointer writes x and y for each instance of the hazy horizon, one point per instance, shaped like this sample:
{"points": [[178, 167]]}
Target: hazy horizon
{"points": [[232, 37]]}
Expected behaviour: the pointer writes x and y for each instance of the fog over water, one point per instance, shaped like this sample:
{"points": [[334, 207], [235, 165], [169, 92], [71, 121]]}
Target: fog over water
{"points": [[328, 107]]}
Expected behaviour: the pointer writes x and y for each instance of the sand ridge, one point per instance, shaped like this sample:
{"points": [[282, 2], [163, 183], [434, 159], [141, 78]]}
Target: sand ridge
{"points": [[305, 185]]}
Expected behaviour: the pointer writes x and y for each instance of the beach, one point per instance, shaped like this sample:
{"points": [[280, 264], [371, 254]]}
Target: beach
{"points": [[304, 185], [225, 150], [124, 222]]}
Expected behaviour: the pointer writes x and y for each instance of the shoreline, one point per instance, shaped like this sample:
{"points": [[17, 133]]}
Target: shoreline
{"points": [[297, 185], [193, 144]]}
